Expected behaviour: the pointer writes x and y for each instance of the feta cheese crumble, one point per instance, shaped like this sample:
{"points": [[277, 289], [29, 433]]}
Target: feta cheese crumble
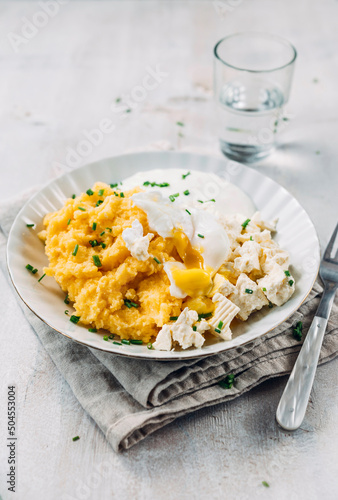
{"points": [[182, 332], [136, 243]]}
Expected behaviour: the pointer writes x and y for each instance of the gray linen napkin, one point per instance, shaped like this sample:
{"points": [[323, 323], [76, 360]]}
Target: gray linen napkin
{"points": [[130, 398]]}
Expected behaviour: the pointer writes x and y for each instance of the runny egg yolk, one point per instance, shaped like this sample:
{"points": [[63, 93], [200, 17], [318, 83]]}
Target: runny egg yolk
{"points": [[194, 280]]}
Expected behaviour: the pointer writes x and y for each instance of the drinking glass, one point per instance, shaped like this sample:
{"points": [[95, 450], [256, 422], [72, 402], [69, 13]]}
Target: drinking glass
{"points": [[252, 80]]}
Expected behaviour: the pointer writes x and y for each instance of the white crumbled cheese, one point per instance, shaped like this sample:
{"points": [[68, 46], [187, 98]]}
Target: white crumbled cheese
{"points": [[233, 226], [181, 331], [221, 285], [202, 326], [136, 243], [257, 224], [163, 340], [277, 285], [272, 256], [248, 261], [225, 311], [245, 300]]}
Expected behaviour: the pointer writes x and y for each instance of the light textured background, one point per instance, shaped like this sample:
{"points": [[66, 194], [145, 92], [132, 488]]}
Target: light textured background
{"points": [[62, 83]]}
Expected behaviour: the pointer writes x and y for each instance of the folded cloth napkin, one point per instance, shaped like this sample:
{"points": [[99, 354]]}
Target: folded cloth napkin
{"points": [[130, 398]]}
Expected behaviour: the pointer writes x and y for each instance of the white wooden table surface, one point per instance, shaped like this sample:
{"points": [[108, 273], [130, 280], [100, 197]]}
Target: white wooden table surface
{"points": [[59, 81]]}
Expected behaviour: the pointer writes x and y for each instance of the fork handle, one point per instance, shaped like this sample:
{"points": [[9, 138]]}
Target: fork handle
{"points": [[292, 406]]}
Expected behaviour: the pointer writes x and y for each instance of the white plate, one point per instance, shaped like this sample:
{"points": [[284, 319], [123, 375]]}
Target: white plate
{"points": [[296, 234]]}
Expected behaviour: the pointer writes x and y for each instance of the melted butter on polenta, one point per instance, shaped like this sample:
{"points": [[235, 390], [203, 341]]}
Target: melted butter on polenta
{"points": [[89, 260]]}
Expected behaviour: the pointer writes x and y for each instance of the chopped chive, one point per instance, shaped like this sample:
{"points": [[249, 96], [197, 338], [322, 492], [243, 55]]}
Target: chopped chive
{"points": [[130, 304], [264, 289], [251, 238], [249, 291], [264, 483], [147, 183], [92, 330], [121, 195], [66, 301], [98, 203], [245, 223], [185, 175], [186, 192], [200, 235], [29, 267], [152, 184], [109, 229], [212, 199], [136, 342], [103, 232], [74, 319], [126, 342], [156, 260], [90, 192], [97, 261], [69, 221], [105, 337], [66, 311], [173, 318], [111, 337], [180, 124], [128, 110], [93, 243], [270, 305], [220, 324], [30, 225], [41, 277], [34, 271], [228, 382], [73, 196], [116, 194], [287, 273], [217, 330], [200, 201], [291, 282], [81, 208], [113, 185], [100, 192], [297, 331], [188, 211], [103, 245], [149, 345], [94, 226], [172, 198], [75, 249], [194, 328], [76, 438], [117, 343], [204, 316], [118, 99]]}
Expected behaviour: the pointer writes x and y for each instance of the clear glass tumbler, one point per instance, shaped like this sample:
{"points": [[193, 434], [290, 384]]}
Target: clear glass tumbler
{"points": [[252, 80]]}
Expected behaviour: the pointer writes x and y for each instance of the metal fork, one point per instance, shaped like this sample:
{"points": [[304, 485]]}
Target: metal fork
{"points": [[293, 403]]}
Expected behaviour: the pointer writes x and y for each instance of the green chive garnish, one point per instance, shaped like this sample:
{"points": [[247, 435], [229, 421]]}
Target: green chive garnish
{"points": [[152, 184], [264, 289], [93, 243], [89, 192], [156, 260], [101, 191], [264, 483], [204, 316], [117, 343], [194, 328], [180, 124], [29, 267], [98, 203], [228, 382], [66, 301], [200, 235], [74, 319], [109, 229], [149, 345], [41, 277], [94, 226], [75, 249], [270, 305], [34, 271], [73, 196], [113, 185], [97, 261], [200, 201], [186, 175], [186, 192], [103, 232], [220, 324], [136, 342], [245, 223], [130, 304], [103, 245], [287, 273], [66, 312], [111, 337], [188, 211], [126, 342], [291, 282], [92, 330], [212, 199], [173, 318], [121, 195], [76, 438], [297, 331], [30, 225], [81, 208], [172, 197], [217, 330], [105, 337], [251, 238], [249, 291], [69, 221]]}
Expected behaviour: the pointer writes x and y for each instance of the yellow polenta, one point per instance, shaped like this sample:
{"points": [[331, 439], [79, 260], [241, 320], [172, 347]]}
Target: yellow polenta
{"points": [[99, 293]]}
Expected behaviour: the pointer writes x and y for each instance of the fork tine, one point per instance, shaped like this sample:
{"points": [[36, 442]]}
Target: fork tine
{"points": [[327, 254]]}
